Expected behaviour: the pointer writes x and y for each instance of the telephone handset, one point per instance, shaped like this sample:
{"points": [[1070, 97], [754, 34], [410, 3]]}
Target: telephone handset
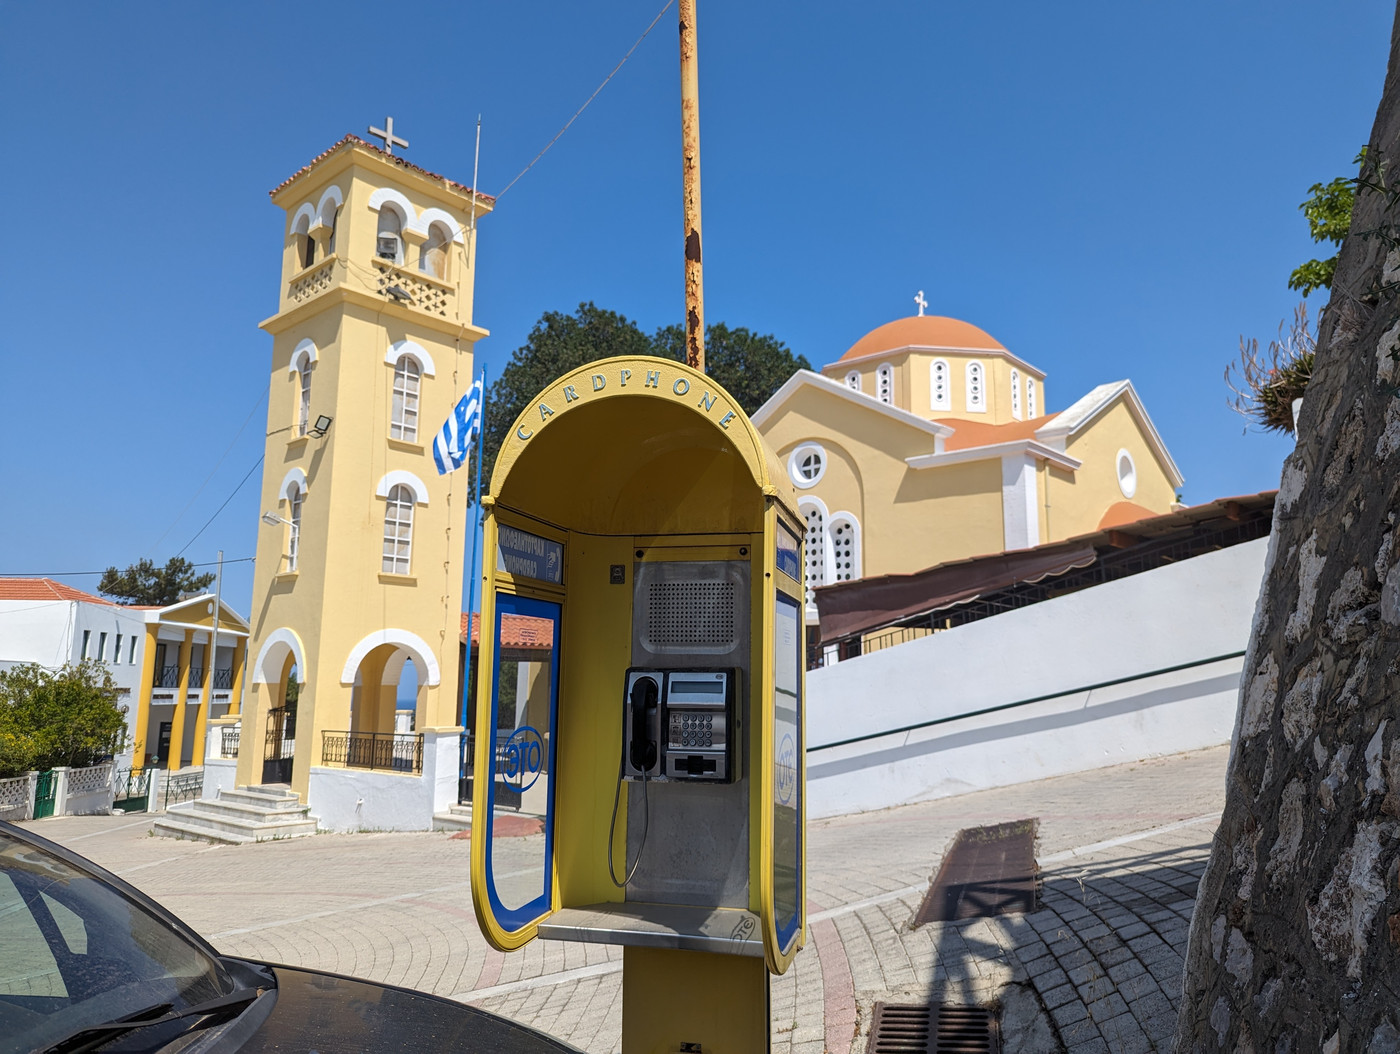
{"points": [[644, 701]]}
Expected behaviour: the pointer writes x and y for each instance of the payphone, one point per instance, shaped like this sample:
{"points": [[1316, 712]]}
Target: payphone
{"points": [[641, 625]]}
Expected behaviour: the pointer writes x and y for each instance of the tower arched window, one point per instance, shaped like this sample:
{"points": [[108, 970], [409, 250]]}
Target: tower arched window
{"points": [[814, 516], [853, 380], [976, 388], [403, 418], [389, 240], [884, 384], [305, 244], [1016, 394], [304, 399], [398, 530], [845, 547], [295, 496], [939, 398], [1031, 411], [432, 257], [335, 223]]}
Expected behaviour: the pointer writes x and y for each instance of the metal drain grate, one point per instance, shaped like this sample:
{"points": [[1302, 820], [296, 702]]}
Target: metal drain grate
{"points": [[912, 1028]]}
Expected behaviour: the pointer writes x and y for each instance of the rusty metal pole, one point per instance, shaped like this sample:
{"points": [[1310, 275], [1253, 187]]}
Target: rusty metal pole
{"points": [[690, 190]]}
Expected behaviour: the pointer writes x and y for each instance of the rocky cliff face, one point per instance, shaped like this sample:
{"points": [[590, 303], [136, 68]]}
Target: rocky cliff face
{"points": [[1295, 942]]}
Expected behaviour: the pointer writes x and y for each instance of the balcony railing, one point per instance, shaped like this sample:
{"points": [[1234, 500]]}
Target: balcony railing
{"points": [[223, 678], [196, 677], [394, 751], [166, 677], [228, 748]]}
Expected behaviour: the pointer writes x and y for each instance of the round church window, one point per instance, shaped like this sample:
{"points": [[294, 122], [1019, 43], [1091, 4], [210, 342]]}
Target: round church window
{"points": [[806, 465], [1127, 474]]}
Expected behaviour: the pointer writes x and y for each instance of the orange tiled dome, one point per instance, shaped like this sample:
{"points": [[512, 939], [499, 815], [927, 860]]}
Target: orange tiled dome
{"points": [[933, 331]]}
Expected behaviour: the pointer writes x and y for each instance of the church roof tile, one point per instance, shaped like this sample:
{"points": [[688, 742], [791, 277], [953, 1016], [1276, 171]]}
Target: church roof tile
{"points": [[353, 140]]}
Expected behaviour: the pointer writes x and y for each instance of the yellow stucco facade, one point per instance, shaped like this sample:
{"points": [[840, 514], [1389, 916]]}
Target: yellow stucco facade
{"points": [[928, 441], [360, 552]]}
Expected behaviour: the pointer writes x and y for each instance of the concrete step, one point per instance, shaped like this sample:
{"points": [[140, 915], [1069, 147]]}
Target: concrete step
{"points": [[242, 810], [453, 820], [165, 827], [261, 800]]}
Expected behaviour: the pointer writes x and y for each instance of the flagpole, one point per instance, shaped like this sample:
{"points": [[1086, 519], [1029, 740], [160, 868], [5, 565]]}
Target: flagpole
{"points": [[472, 583]]}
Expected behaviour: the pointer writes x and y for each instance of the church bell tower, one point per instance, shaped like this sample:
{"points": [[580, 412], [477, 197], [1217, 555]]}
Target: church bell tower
{"points": [[361, 543]]}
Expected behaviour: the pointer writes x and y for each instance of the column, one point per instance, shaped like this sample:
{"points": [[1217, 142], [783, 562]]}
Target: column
{"points": [[177, 726], [240, 659], [206, 700], [143, 698]]}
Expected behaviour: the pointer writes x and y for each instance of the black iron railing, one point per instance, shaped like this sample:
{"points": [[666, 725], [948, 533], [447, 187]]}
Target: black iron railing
{"points": [[196, 676], [183, 786], [166, 677], [394, 751], [223, 678]]}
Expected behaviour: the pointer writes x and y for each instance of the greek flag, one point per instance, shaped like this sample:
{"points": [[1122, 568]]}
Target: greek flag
{"points": [[454, 441]]}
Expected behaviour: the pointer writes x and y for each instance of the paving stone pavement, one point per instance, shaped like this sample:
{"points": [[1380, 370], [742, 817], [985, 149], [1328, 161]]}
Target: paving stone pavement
{"points": [[1096, 968]]}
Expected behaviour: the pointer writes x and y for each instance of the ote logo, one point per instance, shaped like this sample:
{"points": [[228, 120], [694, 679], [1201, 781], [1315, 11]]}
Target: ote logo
{"points": [[785, 770], [521, 758]]}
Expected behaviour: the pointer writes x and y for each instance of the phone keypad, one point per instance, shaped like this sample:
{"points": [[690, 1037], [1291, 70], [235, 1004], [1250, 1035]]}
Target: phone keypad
{"points": [[692, 730]]}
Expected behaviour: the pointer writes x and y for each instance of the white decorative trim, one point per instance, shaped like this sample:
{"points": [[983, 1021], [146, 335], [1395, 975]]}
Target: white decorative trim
{"points": [[275, 649], [306, 212], [849, 518], [1000, 353], [794, 472], [1016, 394], [305, 348], [1020, 501], [808, 379], [884, 379], [388, 196], [805, 503], [975, 383], [429, 216], [407, 479], [416, 647], [853, 380], [335, 198], [294, 475], [1068, 422], [996, 450], [945, 404], [1127, 481], [413, 350]]}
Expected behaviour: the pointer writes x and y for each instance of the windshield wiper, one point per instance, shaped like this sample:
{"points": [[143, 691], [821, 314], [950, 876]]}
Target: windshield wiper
{"points": [[90, 1036]]}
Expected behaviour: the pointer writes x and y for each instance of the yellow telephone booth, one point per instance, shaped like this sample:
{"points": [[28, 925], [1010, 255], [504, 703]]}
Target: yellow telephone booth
{"points": [[640, 693]]}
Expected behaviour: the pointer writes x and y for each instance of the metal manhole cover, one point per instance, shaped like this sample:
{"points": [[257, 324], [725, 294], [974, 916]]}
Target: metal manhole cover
{"points": [[986, 871], [912, 1028]]}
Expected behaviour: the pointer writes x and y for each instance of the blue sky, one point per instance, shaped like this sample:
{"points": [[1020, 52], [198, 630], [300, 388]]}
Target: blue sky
{"points": [[1110, 189]]}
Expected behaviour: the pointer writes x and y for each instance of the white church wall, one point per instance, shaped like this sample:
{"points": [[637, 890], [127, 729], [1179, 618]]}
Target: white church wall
{"points": [[1191, 618], [362, 800]]}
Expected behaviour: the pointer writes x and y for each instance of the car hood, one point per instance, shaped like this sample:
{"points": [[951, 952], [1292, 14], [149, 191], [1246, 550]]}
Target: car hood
{"points": [[329, 1014]]}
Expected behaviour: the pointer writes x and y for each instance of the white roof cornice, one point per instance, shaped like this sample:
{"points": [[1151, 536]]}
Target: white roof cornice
{"points": [[1000, 353], [1070, 421], [994, 451], [808, 379]]}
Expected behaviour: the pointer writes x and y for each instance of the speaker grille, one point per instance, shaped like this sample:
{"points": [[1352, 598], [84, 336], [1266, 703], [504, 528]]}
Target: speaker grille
{"points": [[691, 616]]}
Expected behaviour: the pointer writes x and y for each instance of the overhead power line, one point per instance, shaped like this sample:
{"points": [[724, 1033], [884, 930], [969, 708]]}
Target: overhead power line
{"points": [[72, 574], [221, 508], [596, 90]]}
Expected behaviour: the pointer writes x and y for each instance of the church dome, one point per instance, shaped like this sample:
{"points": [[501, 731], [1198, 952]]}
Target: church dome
{"points": [[929, 331]]}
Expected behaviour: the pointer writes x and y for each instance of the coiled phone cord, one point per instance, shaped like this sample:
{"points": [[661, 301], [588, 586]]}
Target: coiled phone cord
{"points": [[612, 827]]}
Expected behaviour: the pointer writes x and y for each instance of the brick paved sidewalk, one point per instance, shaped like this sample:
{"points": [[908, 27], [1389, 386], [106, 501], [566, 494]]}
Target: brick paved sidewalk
{"points": [[1096, 968]]}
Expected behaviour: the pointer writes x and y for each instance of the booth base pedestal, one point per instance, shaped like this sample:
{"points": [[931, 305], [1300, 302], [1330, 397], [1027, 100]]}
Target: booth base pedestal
{"points": [[699, 1002]]}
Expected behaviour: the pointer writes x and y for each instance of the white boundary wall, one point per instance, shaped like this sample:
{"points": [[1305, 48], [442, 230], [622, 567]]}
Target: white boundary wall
{"points": [[363, 800], [1173, 616]]}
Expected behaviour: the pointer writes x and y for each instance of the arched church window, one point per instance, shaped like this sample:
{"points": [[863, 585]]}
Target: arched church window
{"points": [[938, 385], [815, 546], [389, 241], [335, 223], [807, 465], [1016, 394], [304, 399], [302, 241], [884, 384], [845, 548], [295, 496], [853, 380], [398, 530], [976, 388], [432, 258], [403, 418], [1031, 411]]}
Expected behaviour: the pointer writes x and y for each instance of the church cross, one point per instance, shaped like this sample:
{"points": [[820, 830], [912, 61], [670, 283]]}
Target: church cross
{"points": [[391, 140], [919, 299]]}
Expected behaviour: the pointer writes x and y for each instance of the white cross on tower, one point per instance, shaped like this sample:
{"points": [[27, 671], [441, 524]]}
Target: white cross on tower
{"points": [[919, 299], [390, 139]]}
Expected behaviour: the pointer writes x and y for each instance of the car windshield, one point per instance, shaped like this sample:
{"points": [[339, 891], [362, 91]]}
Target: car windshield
{"points": [[76, 952]]}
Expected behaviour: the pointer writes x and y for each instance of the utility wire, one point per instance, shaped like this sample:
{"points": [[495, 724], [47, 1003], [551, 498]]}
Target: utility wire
{"points": [[66, 574], [580, 110], [221, 508], [261, 396]]}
